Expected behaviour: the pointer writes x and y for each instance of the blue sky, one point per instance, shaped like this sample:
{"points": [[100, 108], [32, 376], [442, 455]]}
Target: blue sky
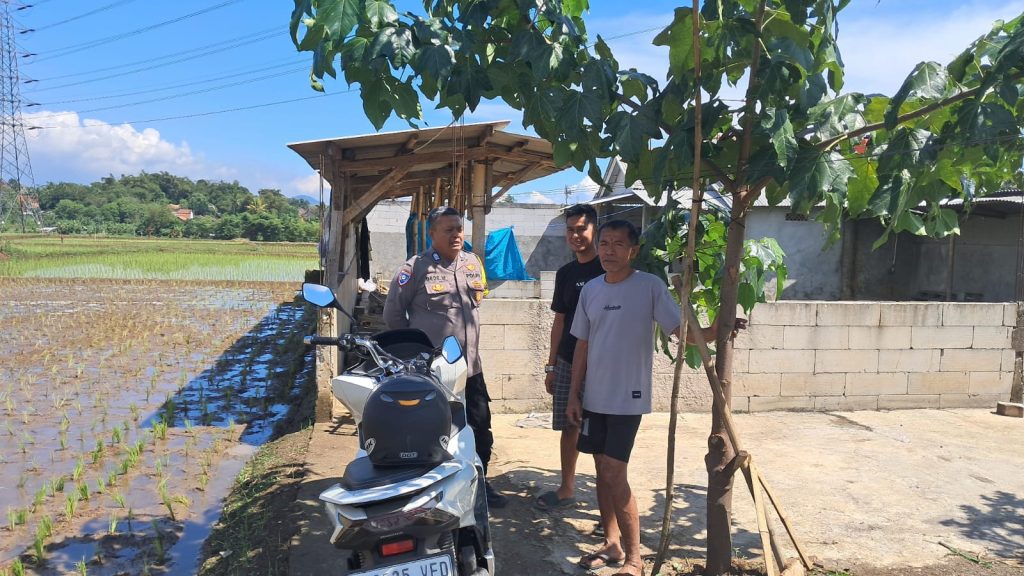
{"points": [[214, 89]]}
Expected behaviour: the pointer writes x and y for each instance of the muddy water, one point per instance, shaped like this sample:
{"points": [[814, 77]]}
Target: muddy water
{"points": [[141, 410]]}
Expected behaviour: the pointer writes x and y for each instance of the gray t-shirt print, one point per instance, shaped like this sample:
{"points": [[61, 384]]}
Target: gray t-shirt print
{"points": [[617, 321]]}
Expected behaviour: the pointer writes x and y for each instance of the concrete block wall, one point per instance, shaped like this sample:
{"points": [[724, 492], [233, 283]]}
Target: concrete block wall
{"points": [[797, 356]]}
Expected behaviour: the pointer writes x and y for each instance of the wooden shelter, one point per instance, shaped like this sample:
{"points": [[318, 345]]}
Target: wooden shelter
{"points": [[465, 166]]}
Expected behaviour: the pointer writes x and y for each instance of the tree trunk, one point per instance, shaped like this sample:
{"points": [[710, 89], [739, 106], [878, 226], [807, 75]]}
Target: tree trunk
{"points": [[720, 450]]}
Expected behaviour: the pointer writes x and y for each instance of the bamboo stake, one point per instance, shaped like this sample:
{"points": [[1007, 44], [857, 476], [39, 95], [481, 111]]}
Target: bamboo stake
{"points": [[785, 523], [684, 296], [749, 472]]}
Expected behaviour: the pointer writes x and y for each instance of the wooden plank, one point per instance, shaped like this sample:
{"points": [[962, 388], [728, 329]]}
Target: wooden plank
{"points": [[370, 197]]}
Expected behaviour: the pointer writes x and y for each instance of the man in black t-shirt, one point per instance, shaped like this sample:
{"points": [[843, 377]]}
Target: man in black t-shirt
{"points": [[580, 230]]}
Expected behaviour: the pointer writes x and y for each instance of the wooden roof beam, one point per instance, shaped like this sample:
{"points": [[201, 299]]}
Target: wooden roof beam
{"points": [[513, 179], [370, 197]]}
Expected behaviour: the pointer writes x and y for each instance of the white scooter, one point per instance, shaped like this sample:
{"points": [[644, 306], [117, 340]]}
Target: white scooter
{"points": [[424, 518]]}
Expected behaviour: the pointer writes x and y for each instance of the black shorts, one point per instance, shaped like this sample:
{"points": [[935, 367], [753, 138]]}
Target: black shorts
{"points": [[612, 435]]}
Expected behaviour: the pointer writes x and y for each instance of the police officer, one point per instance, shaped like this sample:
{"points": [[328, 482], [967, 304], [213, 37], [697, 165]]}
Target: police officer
{"points": [[439, 292]]}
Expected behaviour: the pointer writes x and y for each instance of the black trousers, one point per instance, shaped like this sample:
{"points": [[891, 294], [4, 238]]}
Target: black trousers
{"points": [[478, 415]]}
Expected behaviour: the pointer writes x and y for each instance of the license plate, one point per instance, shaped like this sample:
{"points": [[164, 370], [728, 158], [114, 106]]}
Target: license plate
{"points": [[432, 566]]}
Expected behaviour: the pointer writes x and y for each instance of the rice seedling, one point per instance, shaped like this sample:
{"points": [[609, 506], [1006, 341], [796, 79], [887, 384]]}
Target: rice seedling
{"points": [[134, 411], [46, 526], [115, 436], [70, 505], [76, 474], [158, 542], [97, 452], [81, 568], [17, 568], [39, 548], [112, 523], [16, 517], [40, 496], [112, 478], [119, 499], [159, 430], [57, 484], [83, 492], [101, 486], [62, 437]]}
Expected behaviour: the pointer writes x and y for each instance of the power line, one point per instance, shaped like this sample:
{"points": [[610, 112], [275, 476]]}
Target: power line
{"points": [[172, 86], [179, 95], [76, 48], [209, 113], [205, 50], [79, 17]]}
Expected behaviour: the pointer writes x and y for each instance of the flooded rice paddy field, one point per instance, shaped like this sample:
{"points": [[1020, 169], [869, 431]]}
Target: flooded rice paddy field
{"points": [[126, 410]]}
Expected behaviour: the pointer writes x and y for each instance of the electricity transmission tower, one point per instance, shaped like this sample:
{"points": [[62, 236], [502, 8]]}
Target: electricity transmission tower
{"points": [[16, 181]]}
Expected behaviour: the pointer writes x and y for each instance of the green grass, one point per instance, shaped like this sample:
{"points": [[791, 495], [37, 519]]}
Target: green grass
{"points": [[153, 259]]}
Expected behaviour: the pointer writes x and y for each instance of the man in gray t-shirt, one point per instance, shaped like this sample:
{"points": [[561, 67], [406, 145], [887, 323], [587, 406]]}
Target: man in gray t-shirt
{"points": [[617, 321], [614, 328]]}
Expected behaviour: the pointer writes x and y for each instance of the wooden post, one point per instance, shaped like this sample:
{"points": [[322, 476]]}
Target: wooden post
{"points": [[478, 205]]}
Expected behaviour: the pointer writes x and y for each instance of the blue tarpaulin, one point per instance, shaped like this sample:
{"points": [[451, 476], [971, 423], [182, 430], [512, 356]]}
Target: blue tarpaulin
{"points": [[503, 260]]}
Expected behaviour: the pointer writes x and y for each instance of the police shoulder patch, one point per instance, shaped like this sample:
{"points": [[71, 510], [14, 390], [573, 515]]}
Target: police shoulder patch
{"points": [[403, 278]]}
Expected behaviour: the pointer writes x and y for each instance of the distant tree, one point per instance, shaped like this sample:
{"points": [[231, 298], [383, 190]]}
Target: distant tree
{"points": [[68, 210], [158, 220], [228, 227], [277, 203], [200, 227]]}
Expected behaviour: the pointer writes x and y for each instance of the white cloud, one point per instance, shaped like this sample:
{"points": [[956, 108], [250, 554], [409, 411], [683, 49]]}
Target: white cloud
{"points": [[537, 198], [72, 148], [306, 185], [880, 50]]}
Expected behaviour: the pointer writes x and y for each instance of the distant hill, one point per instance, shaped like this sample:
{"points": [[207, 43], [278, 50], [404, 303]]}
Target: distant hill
{"points": [[307, 198]]}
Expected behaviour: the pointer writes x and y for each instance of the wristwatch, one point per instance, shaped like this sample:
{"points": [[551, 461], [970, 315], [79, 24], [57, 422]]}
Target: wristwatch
{"points": [[549, 368]]}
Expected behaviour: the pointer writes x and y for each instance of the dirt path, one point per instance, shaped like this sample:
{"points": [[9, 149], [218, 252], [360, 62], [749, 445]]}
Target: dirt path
{"points": [[951, 505]]}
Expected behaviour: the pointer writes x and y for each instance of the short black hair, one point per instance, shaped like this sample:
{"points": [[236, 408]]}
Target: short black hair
{"points": [[441, 211], [626, 225], [581, 210]]}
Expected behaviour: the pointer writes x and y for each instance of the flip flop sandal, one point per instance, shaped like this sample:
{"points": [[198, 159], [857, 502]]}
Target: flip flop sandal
{"points": [[550, 501], [598, 560]]}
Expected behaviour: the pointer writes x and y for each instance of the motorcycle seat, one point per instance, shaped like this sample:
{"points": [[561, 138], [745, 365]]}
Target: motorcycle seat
{"points": [[361, 474]]}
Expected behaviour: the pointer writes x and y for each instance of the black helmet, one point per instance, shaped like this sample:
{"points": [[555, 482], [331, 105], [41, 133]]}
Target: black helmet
{"points": [[406, 421]]}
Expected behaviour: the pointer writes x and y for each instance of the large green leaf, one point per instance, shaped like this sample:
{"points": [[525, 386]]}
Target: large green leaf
{"points": [[775, 122], [929, 80], [815, 172], [470, 82], [678, 36], [339, 17], [577, 108], [631, 132], [302, 9], [380, 13], [837, 116], [541, 107]]}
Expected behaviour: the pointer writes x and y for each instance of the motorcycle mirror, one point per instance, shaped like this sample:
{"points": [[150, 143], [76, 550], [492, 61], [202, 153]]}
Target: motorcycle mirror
{"points": [[318, 295], [451, 350]]}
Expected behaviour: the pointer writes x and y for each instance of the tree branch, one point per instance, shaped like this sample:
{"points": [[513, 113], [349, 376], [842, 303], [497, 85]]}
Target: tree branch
{"points": [[923, 111], [752, 85]]}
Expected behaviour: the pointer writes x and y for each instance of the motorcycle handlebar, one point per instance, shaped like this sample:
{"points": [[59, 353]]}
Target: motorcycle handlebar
{"points": [[321, 341]]}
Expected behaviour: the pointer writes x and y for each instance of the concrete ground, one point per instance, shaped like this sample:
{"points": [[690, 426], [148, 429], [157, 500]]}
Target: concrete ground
{"points": [[861, 488]]}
